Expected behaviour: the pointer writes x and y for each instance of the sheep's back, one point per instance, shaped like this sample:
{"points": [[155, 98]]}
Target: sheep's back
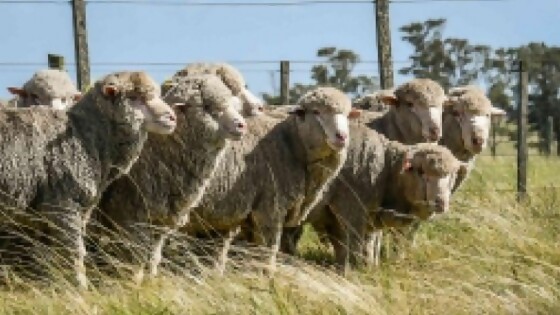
{"points": [[262, 168], [41, 160]]}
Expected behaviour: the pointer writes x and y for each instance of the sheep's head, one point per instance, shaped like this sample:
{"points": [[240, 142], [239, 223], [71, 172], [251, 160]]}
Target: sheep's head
{"points": [[323, 117], [418, 107], [374, 101], [470, 109], [135, 99], [209, 101], [428, 175], [49, 87], [231, 76], [250, 104]]}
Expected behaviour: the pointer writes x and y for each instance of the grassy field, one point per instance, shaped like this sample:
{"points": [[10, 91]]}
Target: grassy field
{"points": [[489, 255]]}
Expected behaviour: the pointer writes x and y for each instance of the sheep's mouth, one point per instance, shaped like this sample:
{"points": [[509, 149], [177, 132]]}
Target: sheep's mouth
{"points": [[337, 145], [234, 134], [164, 125]]}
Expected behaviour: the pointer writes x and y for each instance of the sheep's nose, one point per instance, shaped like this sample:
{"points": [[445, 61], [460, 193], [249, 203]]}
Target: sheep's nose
{"points": [[477, 141], [340, 137], [434, 133], [171, 117]]}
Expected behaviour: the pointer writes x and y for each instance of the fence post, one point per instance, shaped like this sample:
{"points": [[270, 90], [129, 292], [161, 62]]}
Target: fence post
{"points": [[285, 82], [549, 137], [81, 44], [494, 144], [522, 154], [384, 53], [55, 61]]}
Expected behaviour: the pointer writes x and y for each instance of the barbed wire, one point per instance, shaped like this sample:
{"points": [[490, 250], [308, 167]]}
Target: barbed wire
{"points": [[238, 3], [176, 63]]}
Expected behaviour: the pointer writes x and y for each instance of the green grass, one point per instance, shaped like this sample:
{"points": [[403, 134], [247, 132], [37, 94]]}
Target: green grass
{"points": [[489, 255]]}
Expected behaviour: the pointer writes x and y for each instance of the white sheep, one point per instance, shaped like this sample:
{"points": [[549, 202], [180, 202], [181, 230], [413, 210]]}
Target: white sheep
{"points": [[466, 121], [172, 173], [233, 79], [383, 184], [414, 115], [55, 164], [277, 173], [466, 128], [51, 87]]}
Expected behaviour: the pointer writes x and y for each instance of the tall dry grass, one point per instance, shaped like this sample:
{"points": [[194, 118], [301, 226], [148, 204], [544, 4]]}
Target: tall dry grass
{"points": [[489, 255]]}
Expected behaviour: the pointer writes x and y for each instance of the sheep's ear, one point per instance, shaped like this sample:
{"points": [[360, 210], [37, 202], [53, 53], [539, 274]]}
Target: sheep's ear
{"points": [[494, 111], [407, 165], [110, 90], [390, 100], [354, 113], [407, 162], [17, 91], [77, 97]]}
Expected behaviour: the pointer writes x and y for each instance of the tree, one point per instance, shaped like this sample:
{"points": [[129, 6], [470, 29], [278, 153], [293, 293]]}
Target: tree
{"points": [[448, 61], [335, 70]]}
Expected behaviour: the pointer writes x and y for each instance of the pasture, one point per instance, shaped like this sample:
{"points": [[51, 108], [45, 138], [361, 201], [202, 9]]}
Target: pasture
{"points": [[488, 255]]}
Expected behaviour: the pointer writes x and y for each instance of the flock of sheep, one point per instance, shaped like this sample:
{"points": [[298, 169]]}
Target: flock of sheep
{"points": [[201, 153]]}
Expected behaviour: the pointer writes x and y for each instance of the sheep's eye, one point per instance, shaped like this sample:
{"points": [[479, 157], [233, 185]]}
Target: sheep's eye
{"points": [[420, 171], [316, 112], [134, 98], [409, 104], [456, 113]]}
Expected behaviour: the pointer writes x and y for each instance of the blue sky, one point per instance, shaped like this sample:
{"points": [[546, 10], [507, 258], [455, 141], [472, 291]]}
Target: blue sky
{"points": [[125, 33]]}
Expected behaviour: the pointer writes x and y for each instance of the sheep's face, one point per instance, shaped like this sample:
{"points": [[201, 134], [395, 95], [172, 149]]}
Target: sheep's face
{"points": [[252, 105], [323, 125], [472, 112], [230, 121], [36, 98], [427, 182], [49, 87], [136, 101], [323, 118], [207, 101], [418, 107]]}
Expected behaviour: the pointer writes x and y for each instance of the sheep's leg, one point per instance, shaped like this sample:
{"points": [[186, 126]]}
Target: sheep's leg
{"points": [[373, 248], [156, 254], [223, 255], [66, 230], [273, 237], [290, 238]]}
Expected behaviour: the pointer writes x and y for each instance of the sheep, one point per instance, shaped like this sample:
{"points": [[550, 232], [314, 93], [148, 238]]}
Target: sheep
{"points": [[414, 181], [251, 105], [374, 101], [466, 123], [414, 115], [50, 87], [277, 173], [173, 172], [466, 127], [57, 163]]}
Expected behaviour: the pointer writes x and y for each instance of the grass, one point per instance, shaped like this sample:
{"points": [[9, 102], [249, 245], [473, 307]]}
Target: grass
{"points": [[489, 255]]}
